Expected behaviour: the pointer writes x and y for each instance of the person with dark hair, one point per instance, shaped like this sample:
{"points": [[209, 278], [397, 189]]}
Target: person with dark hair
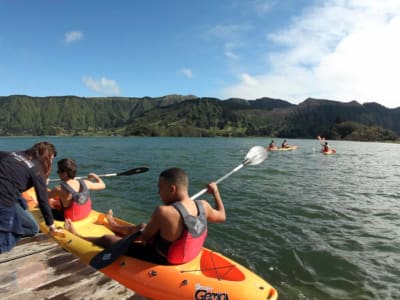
{"points": [[71, 199], [176, 230], [271, 145], [325, 147], [20, 171]]}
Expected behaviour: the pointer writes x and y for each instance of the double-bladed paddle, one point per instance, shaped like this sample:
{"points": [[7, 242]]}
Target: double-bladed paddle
{"points": [[111, 254], [125, 173], [255, 156]]}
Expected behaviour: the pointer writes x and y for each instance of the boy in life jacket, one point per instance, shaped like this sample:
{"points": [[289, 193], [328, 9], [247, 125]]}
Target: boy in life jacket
{"points": [[177, 229], [71, 199]]}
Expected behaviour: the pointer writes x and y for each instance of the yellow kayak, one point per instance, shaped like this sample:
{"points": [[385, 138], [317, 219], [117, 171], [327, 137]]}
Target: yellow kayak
{"points": [[290, 148], [209, 276]]}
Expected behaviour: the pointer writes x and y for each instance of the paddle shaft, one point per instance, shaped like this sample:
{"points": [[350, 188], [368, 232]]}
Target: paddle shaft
{"points": [[256, 155], [125, 173], [203, 191], [102, 175]]}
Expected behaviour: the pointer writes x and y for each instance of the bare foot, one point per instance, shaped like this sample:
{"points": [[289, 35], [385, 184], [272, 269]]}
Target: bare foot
{"points": [[110, 218], [68, 226]]}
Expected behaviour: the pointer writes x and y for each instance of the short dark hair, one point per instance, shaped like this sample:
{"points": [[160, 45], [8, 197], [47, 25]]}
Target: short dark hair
{"points": [[175, 176], [68, 166]]}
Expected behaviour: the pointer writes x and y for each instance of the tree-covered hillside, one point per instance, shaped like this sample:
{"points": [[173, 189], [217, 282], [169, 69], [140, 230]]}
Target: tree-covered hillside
{"points": [[177, 115]]}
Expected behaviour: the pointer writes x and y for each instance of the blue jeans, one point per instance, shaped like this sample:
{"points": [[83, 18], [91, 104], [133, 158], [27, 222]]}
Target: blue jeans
{"points": [[29, 225], [15, 222], [8, 240]]}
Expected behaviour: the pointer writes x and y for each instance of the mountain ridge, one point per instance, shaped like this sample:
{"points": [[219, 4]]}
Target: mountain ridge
{"points": [[188, 115]]}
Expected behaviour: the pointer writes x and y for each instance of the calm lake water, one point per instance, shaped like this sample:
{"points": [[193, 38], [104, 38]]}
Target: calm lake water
{"points": [[314, 226]]}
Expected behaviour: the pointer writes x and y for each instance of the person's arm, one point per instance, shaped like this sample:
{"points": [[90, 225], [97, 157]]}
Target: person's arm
{"points": [[216, 214], [54, 197], [39, 183], [94, 182], [55, 192], [153, 226]]}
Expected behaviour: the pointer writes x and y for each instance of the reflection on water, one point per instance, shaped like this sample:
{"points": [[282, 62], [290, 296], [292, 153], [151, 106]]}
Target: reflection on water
{"points": [[314, 226]]}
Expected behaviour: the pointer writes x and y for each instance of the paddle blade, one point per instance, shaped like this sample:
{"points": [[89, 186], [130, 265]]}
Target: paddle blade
{"points": [[133, 171], [255, 156], [111, 254]]}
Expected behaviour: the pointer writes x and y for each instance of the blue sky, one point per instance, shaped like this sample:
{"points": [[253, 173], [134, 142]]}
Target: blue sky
{"points": [[289, 49]]}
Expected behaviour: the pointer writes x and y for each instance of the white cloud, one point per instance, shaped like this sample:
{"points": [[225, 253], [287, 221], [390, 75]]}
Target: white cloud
{"points": [[187, 72], [341, 50], [249, 81], [231, 55], [102, 86], [73, 36]]}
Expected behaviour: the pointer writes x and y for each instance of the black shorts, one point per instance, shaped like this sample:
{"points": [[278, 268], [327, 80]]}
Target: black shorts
{"points": [[147, 253]]}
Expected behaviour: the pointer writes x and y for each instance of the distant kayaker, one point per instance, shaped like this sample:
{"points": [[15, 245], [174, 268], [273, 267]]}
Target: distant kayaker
{"points": [[177, 229], [71, 199], [20, 171], [285, 144], [272, 145], [325, 147]]}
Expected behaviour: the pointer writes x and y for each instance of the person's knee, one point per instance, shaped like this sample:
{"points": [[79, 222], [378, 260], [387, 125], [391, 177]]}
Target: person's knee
{"points": [[35, 228], [29, 226], [32, 230], [107, 240]]}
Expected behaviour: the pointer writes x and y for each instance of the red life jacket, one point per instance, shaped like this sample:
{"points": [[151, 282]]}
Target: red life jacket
{"points": [[81, 204], [189, 245]]}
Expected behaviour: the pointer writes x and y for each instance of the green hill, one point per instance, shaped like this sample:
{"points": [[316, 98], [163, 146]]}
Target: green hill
{"points": [[177, 115]]}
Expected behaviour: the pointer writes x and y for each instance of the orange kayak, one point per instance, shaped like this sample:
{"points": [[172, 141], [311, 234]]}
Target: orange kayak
{"points": [[210, 275], [331, 151]]}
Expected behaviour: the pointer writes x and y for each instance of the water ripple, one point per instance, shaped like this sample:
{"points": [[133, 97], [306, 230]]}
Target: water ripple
{"points": [[314, 226]]}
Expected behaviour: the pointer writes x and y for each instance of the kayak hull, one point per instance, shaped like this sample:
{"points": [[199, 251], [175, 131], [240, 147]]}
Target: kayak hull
{"points": [[331, 151], [210, 275], [290, 148]]}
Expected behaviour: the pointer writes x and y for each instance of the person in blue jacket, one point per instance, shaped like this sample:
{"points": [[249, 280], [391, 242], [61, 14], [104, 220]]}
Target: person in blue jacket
{"points": [[19, 171]]}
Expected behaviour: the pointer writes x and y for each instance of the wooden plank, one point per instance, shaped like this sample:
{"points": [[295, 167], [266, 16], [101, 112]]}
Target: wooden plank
{"points": [[37, 244], [37, 268]]}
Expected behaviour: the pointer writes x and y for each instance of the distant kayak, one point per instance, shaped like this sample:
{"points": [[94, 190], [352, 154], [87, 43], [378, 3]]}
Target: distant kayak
{"points": [[330, 151], [290, 148]]}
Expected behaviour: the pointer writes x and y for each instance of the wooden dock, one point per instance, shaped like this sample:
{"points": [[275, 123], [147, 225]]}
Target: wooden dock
{"points": [[38, 268]]}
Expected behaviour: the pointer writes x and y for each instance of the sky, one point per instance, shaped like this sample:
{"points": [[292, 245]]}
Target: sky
{"points": [[341, 50]]}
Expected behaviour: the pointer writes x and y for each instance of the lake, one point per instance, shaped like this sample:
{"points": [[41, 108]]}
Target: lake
{"points": [[314, 226]]}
